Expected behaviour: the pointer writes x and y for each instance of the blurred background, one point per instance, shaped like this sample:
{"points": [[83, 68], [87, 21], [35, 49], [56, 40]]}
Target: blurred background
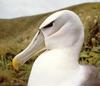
{"points": [[18, 8], [19, 21]]}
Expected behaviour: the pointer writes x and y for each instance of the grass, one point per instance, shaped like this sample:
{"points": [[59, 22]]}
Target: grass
{"points": [[16, 34]]}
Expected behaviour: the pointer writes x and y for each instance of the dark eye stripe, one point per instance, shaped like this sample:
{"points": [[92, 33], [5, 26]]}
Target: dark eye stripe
{"points": [[49, 25]]}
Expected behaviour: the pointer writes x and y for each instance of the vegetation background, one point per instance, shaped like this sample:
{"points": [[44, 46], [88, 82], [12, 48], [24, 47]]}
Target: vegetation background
{"points": [[16, 34]]}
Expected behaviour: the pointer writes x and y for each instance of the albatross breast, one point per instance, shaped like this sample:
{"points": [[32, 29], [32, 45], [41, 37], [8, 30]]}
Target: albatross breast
{"points": [[50, 70]]}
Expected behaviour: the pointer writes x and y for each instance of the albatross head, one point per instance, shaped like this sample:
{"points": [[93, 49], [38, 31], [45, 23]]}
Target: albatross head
{"points": [[62, 29]]}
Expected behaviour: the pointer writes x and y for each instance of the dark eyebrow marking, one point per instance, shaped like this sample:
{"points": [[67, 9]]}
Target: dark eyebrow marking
{"points": [[49, 25]]}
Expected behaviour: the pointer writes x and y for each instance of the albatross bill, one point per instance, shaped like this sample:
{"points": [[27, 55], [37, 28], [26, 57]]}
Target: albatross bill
{"points": [[35, 45]]}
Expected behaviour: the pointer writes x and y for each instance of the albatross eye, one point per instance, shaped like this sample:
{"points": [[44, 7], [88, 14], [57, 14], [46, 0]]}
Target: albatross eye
{"points": [[49, 25]]}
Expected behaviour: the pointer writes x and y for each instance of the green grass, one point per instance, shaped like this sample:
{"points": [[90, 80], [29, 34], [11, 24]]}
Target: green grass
{"points": [[16, 34]]}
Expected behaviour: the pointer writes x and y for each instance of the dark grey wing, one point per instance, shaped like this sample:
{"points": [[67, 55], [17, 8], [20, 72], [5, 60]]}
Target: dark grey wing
{"points": [[93, 76]]}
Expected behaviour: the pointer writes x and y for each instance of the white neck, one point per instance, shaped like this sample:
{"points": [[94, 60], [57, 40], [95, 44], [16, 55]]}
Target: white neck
{"points": [[63, 57], [72, 56], [72, 52]]}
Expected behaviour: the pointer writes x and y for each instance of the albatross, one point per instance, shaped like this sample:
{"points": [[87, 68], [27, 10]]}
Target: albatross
{"points": [[63, 35]]}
